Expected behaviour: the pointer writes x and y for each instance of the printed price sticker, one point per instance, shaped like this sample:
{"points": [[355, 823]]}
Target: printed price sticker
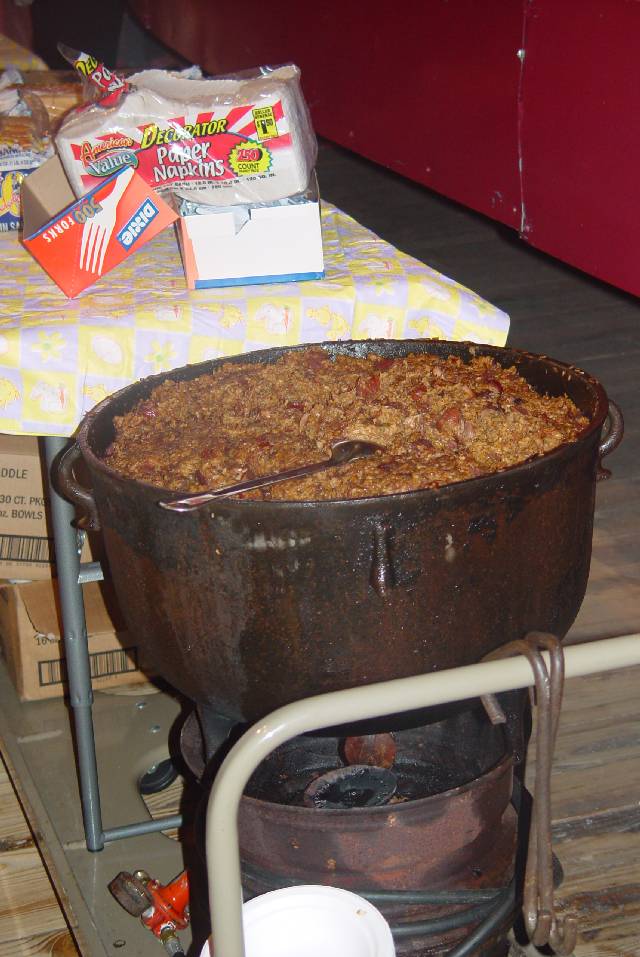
{"points": [[266, 126]]}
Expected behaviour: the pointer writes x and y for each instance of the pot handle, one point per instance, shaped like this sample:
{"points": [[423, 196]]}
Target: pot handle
{"points": [[612, 439], [74, 492]]}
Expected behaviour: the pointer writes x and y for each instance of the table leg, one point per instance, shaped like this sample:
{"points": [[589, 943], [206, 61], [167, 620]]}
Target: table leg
{"points": [[76, 651]]}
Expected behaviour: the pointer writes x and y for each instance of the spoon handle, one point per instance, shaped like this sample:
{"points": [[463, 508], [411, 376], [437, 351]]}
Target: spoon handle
{"points": [[192, 502]]}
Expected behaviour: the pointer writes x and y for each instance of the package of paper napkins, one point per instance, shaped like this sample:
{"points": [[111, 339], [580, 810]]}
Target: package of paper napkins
{"points": [[239, 139]]}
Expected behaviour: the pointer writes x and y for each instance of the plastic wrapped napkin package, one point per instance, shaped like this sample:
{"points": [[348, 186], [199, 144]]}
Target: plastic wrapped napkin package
{"points": [[225, 141]]}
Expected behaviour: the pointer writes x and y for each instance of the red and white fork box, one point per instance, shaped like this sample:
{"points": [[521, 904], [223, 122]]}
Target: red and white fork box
{"points": [[92, 234]]}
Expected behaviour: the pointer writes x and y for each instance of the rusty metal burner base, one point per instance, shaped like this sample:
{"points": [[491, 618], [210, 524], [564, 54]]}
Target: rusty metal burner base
{"points": [[450, 828]]}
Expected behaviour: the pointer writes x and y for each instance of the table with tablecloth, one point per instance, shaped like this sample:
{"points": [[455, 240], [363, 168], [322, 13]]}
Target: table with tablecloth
{"points": [[58, 357]]}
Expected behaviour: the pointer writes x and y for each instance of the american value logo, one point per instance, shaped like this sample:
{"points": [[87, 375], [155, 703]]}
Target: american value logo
{"points": [[111, 154]]}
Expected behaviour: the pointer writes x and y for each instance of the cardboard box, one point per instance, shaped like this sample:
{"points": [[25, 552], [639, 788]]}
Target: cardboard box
{"points": [[14, 166], [30, 631], [242, 245], [92, 234], [26, 545]]}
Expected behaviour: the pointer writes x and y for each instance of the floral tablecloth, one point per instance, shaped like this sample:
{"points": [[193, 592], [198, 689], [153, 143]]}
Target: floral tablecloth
{"points": [[58, 357]]}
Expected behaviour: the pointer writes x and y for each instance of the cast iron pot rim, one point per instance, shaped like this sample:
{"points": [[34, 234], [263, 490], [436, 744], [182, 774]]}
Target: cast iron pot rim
{"points": [[497, 770], [474, 348]]}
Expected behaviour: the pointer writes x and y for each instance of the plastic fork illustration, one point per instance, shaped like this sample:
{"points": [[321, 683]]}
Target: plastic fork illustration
{"points": [[96, 231]]}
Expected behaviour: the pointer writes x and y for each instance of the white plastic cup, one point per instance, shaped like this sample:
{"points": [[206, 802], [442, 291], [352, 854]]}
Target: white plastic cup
{"points": [[313, 921]]}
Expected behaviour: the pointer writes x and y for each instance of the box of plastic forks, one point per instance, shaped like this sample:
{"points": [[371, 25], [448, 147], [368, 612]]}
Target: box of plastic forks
{"points": [[92, 234]]}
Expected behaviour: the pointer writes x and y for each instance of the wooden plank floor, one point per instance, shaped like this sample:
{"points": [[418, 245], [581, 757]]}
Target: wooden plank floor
{"points": [[32, 923], [554, 310]]}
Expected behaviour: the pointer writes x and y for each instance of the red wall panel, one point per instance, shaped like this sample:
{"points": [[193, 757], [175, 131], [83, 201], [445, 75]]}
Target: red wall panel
{"points": [[581, 135], [428, 89], [548, 140]]}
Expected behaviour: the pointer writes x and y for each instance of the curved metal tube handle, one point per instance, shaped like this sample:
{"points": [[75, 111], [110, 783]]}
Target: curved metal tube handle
{"points": [[612, 439], [544, 925], [69, 486]]}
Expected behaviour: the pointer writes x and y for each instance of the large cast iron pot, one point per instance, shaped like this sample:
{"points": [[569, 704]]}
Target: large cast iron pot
{"points": [[249, 605]]}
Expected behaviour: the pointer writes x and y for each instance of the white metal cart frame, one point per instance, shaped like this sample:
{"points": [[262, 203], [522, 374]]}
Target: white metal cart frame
{"points": [[341, 707]]}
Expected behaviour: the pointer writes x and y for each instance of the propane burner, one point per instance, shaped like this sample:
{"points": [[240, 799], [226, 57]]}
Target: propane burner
{"points": [[419, 817], [358, 785]]}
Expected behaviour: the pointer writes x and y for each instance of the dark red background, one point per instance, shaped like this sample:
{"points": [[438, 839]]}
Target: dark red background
{"points": [[547, 143]]}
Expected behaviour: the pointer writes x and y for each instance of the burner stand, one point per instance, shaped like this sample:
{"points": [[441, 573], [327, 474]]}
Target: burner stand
{"points": [[438, 860], [528, 666]]}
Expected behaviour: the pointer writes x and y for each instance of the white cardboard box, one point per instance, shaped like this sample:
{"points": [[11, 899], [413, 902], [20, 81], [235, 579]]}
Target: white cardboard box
{"points": [[243, 245]]}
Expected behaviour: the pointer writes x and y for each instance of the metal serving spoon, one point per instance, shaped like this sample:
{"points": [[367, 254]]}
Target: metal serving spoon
{"points": [[342, 452]]}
